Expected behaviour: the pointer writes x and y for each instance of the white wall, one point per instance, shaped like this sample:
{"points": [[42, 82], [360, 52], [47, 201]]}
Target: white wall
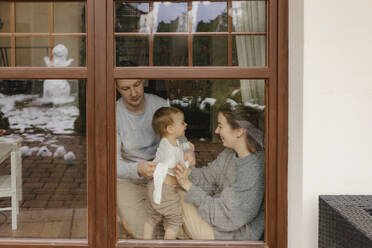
{"points": [[336, 116]]}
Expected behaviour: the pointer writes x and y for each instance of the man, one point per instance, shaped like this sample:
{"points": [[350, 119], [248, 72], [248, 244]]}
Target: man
{"points": [[136, 145]]}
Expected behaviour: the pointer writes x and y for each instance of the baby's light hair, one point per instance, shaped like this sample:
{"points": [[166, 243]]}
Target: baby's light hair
{"points": [[163, 118]]}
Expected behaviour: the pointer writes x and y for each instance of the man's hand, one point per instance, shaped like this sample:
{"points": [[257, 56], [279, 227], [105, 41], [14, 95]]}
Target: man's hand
{"points": [[146, 169]]}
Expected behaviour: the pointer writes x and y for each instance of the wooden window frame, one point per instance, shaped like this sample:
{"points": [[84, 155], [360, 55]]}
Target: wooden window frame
{"points": [[87, 73], [229, 34], [276, 76], [50, 34], [100, 73]]}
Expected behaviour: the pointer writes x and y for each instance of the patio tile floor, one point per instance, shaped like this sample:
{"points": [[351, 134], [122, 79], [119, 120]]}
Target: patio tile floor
{"points": [[54, 201]]}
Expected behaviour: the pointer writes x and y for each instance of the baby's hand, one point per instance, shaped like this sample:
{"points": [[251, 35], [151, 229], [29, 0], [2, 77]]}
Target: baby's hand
{"points": [[192, 146], [189, 156]]}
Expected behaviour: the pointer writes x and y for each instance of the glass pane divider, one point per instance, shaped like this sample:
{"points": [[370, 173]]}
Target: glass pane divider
{"points": [[51, 24], [42, 34], [12, 37], [151, 37], [192, 34], [229, 29], [187, 72], [43, 73], [189, 29]]}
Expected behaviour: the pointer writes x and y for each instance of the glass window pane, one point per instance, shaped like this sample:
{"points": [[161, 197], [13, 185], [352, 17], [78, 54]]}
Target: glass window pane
{"points": [[248, 16], [31, 51], [49, 117], [132, 51], [249, 51], [210, 51], [4, 51], [69, 17], [132, 17], [170, 51], [4, 17], [170, 17], [209, 16], [223, 193], [76, 48], [32, 17]]}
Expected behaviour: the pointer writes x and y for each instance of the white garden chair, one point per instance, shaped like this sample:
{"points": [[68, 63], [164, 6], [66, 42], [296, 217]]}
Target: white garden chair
{"points": [[11, 185]]}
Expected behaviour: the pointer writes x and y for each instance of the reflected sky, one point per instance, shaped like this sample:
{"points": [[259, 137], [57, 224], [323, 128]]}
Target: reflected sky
{"points": [[169, 12], [175, 15], [143, 7], [206, 12]]}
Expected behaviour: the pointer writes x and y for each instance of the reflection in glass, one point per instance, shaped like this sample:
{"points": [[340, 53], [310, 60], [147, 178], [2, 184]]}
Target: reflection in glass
{"points": [[210, 51], [248, 16], [249, 50], [4, 17], [76, 48], [69, 17], [31, 51], [4, 51], [132, 51], [170, 17], [200, 100], [32, 17], [170, 51], [132, 17], [53, 133], [209, 16]]}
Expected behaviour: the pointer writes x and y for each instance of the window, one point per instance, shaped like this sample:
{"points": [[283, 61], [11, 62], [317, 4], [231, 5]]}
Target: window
{"points": [[189, 57], [193, 33], [185, 55], [30, 30]]}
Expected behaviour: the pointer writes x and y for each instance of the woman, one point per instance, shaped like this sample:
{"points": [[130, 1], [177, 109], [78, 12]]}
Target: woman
{"points": [[225, 200]]}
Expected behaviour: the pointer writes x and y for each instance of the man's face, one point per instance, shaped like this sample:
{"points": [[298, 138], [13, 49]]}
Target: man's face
{"points": [[131, 91]]}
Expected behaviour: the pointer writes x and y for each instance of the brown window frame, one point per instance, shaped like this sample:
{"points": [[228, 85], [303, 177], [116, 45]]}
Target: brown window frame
{"points": [[276, 76], [50, 34], [189, 34], [100, 73]]}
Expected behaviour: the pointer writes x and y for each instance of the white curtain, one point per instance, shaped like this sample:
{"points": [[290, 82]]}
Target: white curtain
{"points": [[251, 50]]}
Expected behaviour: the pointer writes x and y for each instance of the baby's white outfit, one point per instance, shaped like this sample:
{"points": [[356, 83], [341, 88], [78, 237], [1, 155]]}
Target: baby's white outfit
{"points": [[167, 157]]}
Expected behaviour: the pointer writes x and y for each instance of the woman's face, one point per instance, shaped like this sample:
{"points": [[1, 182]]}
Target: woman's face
{"points": [[228, 135]]}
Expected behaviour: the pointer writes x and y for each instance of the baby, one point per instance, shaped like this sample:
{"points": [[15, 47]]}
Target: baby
{"points": [[164, 200]]}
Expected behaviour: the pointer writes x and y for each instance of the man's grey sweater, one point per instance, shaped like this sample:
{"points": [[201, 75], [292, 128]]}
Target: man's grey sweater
{"points": [[135, 138], [229, 195]]}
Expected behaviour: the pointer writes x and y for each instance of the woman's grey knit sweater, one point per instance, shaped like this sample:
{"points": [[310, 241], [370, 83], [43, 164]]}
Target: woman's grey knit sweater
{"points": [[229, 195]]}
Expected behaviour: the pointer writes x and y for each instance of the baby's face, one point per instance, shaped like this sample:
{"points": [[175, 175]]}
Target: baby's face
{"points": [[179, 124]]}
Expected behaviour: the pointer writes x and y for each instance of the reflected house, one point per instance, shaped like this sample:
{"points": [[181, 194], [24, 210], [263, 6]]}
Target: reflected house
{"points": [[131, 51]]}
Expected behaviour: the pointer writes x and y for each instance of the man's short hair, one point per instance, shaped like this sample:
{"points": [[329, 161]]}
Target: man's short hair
{"points": [[163, 118]]}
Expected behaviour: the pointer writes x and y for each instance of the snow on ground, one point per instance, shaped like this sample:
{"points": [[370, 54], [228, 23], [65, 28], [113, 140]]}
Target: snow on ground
{"points": [[207, 100], [57, 119]]}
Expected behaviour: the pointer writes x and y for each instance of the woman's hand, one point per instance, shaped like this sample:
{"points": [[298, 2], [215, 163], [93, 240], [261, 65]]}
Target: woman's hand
{"points": [[2, 131], [182, 175]]}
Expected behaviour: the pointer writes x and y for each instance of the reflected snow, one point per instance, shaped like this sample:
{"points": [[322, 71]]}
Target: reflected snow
{"points": [[31, 115]]}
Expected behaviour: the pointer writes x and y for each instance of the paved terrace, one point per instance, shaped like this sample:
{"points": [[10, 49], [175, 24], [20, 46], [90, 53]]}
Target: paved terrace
{"points": [[55, 194]]}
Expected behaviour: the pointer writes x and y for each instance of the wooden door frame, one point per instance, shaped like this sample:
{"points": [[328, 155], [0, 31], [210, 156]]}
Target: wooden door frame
{"points": [[100, 73], [277, 143]]}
